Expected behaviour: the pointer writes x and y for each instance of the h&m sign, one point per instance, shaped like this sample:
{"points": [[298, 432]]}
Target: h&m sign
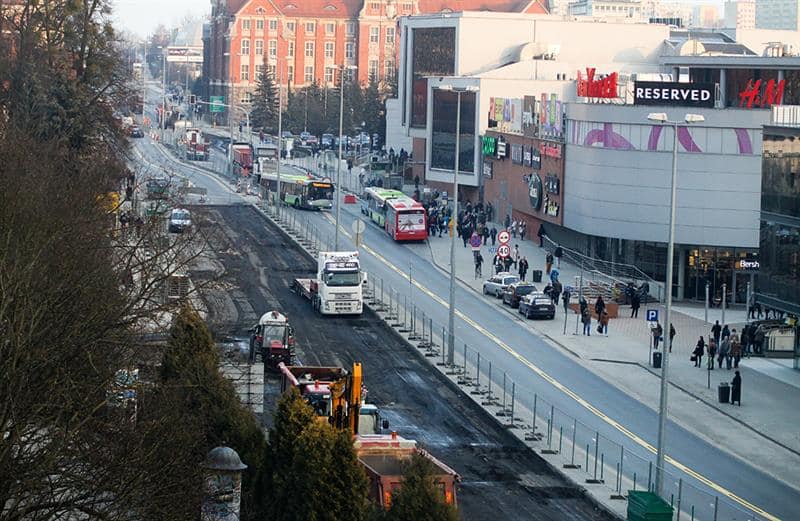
{"points": [[674, 93], [591, 86]]}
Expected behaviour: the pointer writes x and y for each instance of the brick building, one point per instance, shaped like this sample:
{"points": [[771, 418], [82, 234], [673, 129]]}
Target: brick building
{"points": [[301, 41]]}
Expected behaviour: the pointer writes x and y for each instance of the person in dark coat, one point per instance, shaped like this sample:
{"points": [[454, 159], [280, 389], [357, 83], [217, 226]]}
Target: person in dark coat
{"points": [[736, 389], [558, 253], [716, 331], [599, 305], [636, 303], [541, 233], [698, 352], [523, 267], [493, 234]]}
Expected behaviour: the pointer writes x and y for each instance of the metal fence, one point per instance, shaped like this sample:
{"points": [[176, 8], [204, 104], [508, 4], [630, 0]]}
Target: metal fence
{"points": [[580, 448]]}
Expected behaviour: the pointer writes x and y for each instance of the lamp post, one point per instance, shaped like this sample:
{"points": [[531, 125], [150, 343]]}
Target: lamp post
{"points": [[662, 407], [451, 318], [342, 68], [163, 91], [144, 82]]}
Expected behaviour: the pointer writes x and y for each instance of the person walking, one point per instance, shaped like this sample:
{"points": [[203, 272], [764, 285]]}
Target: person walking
{"points": [[636, 302], [523, 227], [514, 229], [711, 351], [485, 234], [603, 319], [515, 255], [599, 305], [586, 318], [716, 331], [657, 331], [758, 339], [478, 265], [558, 253], [493, 234], [724, 352], [507, 222], [555, 291], [548, 263], [541, 233], [498, 264], [726, 332], [736, 349], [699, 350], [671, 336], [736, 389], [523, 267], [489, 211]]}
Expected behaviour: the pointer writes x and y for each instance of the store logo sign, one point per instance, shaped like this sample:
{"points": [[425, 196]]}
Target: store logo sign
{"points": [[535, 191], [753, 96], [674, 93], [596, 87]]}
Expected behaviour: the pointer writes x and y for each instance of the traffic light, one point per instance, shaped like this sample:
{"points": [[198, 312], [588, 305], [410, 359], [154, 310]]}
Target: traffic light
{"points": [[192, 99]]}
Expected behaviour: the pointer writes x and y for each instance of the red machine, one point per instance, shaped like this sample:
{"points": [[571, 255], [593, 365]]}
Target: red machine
{"points": [[242, 159], [273, 339]]}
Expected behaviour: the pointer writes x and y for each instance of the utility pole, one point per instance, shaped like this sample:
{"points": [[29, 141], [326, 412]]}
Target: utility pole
{"points": [[339, 162], [163, 91]]}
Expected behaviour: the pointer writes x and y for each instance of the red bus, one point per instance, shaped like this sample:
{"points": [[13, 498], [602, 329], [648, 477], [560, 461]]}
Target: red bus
{"points": [[406, 219]]}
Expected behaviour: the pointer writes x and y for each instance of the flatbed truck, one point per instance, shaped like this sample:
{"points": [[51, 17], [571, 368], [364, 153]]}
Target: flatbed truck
{"points": [[337, 287]]}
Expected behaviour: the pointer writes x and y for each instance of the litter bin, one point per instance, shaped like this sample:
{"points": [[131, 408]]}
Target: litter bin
{"points": [[724, 392], [657, 359], [536, 275], [647, 506]]}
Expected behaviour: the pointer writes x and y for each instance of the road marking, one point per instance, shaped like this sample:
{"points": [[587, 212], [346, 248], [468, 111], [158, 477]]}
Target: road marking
{"points": [[566, 390]]}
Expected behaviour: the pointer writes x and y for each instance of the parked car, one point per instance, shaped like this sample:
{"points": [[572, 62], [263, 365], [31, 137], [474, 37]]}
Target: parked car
{"points": [[514, 293], [327, 140], [136, 132], [498, 283], [179, 220], [537, 305]]}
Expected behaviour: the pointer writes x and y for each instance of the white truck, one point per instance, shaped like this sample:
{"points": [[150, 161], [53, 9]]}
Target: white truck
{"points": [[337, 288]]}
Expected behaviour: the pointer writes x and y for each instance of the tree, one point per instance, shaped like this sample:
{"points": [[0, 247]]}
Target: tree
{"points": [[265, 103], [419, 497], [374, 117]]}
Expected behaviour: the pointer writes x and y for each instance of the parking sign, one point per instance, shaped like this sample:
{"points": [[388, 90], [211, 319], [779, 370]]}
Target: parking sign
{"points": [[651, 315]]}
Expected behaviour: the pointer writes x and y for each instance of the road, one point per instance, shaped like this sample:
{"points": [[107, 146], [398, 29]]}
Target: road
{"points": [[537, 366]]}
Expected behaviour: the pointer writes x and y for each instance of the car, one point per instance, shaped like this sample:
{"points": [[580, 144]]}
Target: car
{"points": [[286, 134], [497, 283], [179, 220], [537, 305], [327, 140], [514, 292], [136, 132]]}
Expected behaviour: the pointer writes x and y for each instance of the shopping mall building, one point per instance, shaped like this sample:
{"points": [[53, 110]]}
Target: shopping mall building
{"points": [[556, 128]]}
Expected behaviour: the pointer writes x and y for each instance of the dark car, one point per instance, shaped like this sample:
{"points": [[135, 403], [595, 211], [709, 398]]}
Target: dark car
{"points": [[537, 305], [136, 132], [514, 293]]}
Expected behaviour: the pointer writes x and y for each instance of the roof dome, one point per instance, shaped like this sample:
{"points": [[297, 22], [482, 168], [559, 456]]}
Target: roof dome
{"points": [[223, 458]]}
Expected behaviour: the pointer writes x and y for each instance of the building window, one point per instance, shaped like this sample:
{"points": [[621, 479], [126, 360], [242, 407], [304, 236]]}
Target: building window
{"points": [[271, 71], [260, 25], [290, 27], [290, 50], [329, 49], [390, 35], [329, 71], [350, 28], [407, 8], [330, 28], [309, 49], [374, 34], [247, 97], [308, 75], [349, 50], [245, 75], [350, 75], [273, 48], [290, 70], [310, 27], [246, 24], [373, 70], [389, 70], [375, 6], [259, 47], [245, 47], [273, 25], [259, 71]]}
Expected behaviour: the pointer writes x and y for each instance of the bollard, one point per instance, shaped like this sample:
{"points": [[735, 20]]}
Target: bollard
{"points": [[444, 361], [503, 410], [488, 400], [618, 491], [680, 492], [405, 313], [381, 301], [716, 507], [571, 464], [692, 512]]}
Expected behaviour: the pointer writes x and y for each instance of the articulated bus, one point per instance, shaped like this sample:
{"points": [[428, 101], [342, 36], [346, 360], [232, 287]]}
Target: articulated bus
{"points": [[403, 218], [301, 191]]}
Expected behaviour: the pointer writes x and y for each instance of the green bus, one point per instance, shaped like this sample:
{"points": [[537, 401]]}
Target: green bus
{"points": [[301, 191], [373, 203]]}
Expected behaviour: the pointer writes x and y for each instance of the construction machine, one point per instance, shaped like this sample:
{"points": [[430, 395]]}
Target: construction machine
{"points": [[273, 339]]}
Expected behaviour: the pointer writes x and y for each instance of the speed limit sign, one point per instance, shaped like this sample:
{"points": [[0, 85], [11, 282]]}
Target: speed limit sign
{"points": [[504, 250], [503, 236]]}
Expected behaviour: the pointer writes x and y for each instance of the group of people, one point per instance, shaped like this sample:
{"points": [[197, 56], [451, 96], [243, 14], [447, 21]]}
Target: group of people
{"points": [[586, 316], [516, 227], [726, 345]]}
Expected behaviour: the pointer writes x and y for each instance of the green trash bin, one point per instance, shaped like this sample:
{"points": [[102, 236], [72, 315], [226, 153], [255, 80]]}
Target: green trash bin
{"points": [[536, 275], [647, 506]]}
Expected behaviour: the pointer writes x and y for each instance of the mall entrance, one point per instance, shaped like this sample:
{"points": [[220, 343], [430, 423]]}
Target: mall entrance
{"points": [[733, 267]]}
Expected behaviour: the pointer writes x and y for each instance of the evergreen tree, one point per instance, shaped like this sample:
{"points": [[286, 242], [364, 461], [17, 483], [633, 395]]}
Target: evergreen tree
{"points": [[419, 497], [374, 113], [265, 103]]}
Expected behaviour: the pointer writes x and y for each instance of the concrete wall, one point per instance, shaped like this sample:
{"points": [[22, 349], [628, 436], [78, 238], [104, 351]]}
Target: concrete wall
{"points": [[618, 175], [395, 136]]}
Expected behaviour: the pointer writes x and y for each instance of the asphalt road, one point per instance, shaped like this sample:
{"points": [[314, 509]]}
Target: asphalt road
{"points": [[501, 478]]}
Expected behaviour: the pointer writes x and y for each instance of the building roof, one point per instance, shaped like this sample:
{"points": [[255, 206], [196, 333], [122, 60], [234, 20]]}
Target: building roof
{"points": [[503, 6], [320, 8]]}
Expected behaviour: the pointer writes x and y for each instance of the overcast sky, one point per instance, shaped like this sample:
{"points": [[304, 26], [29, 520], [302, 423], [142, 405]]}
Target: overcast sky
{"points": [[142, 16]]}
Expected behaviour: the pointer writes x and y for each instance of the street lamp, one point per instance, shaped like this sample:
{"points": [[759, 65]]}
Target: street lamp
{"points": [[342, 68], [451, 319], [662, 118], [163, 90]]}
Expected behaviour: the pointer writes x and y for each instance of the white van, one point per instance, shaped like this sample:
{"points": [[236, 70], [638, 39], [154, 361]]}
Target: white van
{"points": [[179, 220]]}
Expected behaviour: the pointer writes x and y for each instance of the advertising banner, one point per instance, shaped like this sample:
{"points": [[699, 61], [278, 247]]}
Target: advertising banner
{"points": [[674, 94]]}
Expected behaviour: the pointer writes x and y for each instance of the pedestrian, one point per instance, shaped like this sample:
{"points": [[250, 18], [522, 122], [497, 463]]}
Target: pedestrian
{"points": [[565, 299], [586, 318], [416, 182], [523, 267], [751, 307], [507, 262], [465, 234], [498, 264], [636, 302], [726, 332], [493, 234], [711, 351], [584, 306], [716, 330], [736, 349], [558, 253], [724, 352], [485, 234], [746, 335], [541, 233], [548, 263], [603, 319], [599, 305], [758, 310], [553, 275], [514, 229], [556, 291], [697, 354], [758, 338], [508, 222], [736, 389], [671, 335], [523, 227], [657, 331], [489, 211], [478, 265]]}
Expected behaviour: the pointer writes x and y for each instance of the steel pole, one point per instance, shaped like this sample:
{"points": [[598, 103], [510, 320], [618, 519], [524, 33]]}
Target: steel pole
{"points": [[144, 82], [451, 317], [747, 302], [662, 407], [280, 142], [163, 92], [338, 189], [724, 303], [706, 303]]}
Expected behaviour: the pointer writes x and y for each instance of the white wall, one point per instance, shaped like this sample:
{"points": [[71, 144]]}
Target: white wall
{"points": [[626, 193], [396, 137]]}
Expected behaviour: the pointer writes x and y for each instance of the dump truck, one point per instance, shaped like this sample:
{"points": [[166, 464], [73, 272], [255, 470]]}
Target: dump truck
{"points": [[337, 287], [384, 458], [242, 159], [273, 339], [195, 146]]}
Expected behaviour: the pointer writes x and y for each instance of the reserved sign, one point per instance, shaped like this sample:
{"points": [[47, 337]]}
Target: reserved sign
{"points": [[674, 93]]}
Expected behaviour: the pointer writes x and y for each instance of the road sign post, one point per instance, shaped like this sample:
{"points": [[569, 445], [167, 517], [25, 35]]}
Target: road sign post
{"points": [[503, 237], [504, 251], [651, 315], [217, 104]]}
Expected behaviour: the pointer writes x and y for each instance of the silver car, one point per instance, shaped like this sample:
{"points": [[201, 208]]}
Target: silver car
{"points": [[498, 283]]}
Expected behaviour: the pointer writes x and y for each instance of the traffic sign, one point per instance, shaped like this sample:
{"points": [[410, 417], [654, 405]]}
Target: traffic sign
{"points": [[651, 315], [504, 250], [217, 103], [358, 226], [503, 237], [475, 241]]}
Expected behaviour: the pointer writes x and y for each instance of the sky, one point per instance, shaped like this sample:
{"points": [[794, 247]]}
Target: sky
{"points": [[141, 17]]}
